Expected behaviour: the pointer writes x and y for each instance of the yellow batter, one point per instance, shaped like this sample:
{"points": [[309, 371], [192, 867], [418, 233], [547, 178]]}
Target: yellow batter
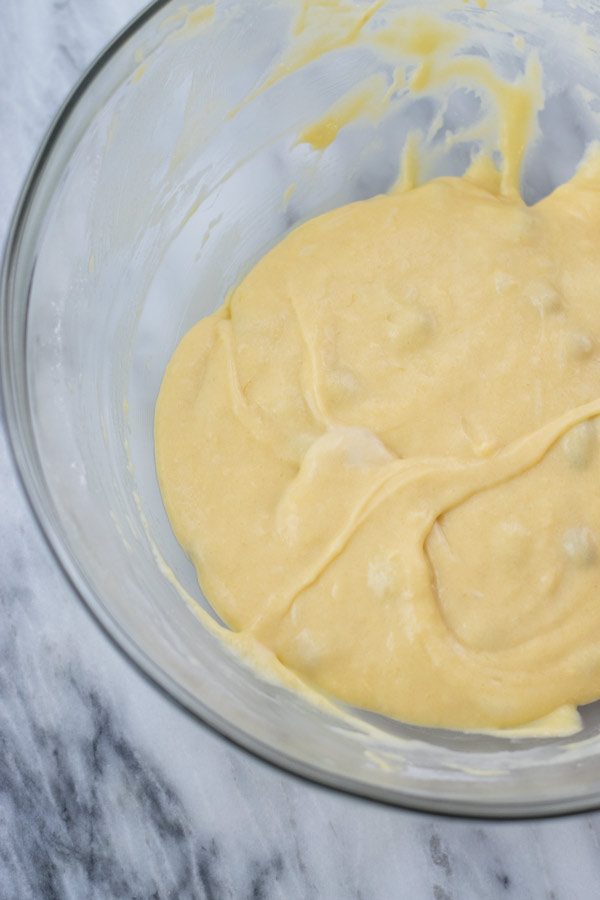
{"points": [[382, 455]]}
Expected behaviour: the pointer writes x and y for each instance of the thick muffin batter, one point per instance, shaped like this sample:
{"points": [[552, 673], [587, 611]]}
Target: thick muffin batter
{"points": [[382, 454]]}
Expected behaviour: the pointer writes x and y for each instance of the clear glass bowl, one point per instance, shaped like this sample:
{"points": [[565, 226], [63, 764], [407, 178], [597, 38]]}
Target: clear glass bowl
{"points": [[146, 203]]}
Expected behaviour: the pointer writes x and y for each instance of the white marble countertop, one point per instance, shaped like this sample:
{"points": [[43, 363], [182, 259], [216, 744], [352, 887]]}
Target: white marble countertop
{"points": [[107, 788]]}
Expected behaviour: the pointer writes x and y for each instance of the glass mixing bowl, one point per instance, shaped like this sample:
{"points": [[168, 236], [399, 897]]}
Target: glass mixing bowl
{"points": [[147, 201]]}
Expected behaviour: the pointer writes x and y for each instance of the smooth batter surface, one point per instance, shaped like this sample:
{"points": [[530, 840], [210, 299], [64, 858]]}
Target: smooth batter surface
{"points": [[383, 459]]}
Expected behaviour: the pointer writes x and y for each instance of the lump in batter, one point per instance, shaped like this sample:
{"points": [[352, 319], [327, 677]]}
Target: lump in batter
{"points": [[382, 455]]}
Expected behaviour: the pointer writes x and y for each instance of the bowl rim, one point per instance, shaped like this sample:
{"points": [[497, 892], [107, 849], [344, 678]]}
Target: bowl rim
{"points": [[17, 421]]}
